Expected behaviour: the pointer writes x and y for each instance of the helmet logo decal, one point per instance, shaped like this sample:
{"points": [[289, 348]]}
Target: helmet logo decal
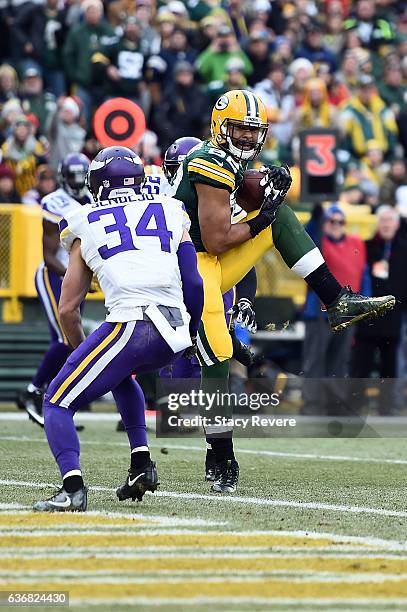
{"points": [[106, 183], [128, 181], [222, 103]]}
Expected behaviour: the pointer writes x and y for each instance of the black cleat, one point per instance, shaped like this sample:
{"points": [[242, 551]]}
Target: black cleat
{"points": [[352, 307], [31, 402], [62, 501], [138, 482], [120, 426], [210, 465], [227, 477]]}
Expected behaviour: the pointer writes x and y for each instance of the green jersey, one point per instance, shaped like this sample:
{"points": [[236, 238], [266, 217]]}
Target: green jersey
{"points": [[213, 166]]}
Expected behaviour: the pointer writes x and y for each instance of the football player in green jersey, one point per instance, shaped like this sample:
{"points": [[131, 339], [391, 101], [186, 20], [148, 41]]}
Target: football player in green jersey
{"points": [[209, 175]]}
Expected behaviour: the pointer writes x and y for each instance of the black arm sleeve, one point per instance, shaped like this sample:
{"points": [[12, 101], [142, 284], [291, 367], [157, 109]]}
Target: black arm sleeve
{"points": [[247, 287]]}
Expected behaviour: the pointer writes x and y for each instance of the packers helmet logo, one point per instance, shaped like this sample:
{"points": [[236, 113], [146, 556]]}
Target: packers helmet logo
{"points": [[222, 103]]}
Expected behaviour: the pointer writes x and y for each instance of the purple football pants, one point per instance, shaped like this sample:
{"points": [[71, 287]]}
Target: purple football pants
{"points": [[48, 285], [104, 362]]}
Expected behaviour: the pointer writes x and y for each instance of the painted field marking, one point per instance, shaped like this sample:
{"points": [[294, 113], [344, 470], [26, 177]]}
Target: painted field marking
{"points": [[256, 501], [293, 603], [244, 577], [243, 451]]}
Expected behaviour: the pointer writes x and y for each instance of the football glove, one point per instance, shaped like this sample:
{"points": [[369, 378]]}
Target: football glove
{"points": [[192, 350], [243, 313], [277, 181]]}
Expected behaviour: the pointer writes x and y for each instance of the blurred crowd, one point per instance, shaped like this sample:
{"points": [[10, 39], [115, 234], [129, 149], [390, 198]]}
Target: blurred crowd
{"points": [[315, 63], [329, 63]]}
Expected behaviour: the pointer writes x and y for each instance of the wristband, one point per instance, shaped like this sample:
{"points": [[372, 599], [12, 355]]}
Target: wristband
{"points": [[258, 224]]}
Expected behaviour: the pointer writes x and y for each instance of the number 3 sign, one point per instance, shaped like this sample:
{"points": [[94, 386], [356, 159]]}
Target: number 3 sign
{"points": [[318, 164]]}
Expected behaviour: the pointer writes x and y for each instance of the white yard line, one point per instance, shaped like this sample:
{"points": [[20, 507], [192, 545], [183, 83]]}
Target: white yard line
{"points": [[240, 500], [205, 552], [210, 575], [228, 600], [241, 451], [289, 576]]}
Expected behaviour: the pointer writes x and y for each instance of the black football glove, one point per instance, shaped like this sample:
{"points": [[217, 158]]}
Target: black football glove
{"points": [[243, 313], [277, 181], [192, 350], [277, 178]]}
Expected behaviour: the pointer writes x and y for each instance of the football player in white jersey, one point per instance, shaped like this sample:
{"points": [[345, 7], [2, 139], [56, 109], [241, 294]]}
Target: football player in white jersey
{"points": [[48, 278], [140, 250]]}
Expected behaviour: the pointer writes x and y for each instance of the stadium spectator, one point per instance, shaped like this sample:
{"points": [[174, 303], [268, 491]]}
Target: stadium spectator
{"points": [[279, 102], [386, 256], [22, 152], [83, 40], [150, 39], [8, 84], [45, 183], [212, 62], [185, 108], [237, 16], [258, 52], [326, 354], [300, 70], [372, 31], [234, 79], [373, 169], [165, 24], [33, 97], [349, 70], [396, 177], [40, 30], [8, 192], [65, 133], [313, 48], [366, 117], [315, 110], [392, 89], [120, 68], [10, 111], [160, 68], [283, 50], [205, 33], [91, 146], [337, 91]]}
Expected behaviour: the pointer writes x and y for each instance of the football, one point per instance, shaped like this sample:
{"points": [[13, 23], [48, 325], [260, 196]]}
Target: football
{"points": [[250, 194]]}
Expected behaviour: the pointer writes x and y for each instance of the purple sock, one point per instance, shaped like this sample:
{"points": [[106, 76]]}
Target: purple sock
{"points": [[129, 398], [51, 363], [62, 437]]}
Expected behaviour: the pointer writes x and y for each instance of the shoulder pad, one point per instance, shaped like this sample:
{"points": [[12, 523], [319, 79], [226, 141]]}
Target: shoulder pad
{"points": [[212, 169]]}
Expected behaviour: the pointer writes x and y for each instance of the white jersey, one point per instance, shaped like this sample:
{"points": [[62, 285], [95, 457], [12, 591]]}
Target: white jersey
{"points": [[130, 242], [55, 206], [158, 184]]}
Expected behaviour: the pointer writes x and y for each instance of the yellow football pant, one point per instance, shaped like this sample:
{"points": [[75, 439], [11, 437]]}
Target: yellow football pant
{"points": [[219, 274]]}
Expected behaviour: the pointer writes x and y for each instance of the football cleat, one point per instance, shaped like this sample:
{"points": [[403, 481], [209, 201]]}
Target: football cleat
{"points": [[138, 482], [120, 426], [210, 465], [352, 307], [227, 477], [31, 402], [62, 501]]}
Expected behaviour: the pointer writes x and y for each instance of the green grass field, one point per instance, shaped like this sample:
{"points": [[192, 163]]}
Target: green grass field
{"points": [[315, 524]]}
